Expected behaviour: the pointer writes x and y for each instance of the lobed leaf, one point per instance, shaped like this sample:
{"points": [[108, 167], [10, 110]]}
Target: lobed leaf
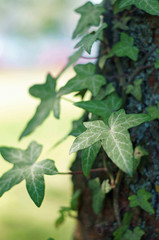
{"points": [[90, 16], [125, 48], [136, 234], [135, 90], [153, 111], [141, 199], [85, 78], [26, 168], [49, 102]]}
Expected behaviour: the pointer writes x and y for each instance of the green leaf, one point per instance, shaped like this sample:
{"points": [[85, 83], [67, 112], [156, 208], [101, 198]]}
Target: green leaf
{"points": [[133, 235], [96, 131], [113, 1], [141, 200], [102, 108], [114, 137], [149, 6], [90, 16], [26, 168], [135, 90], [87, 41], [99, 192], [138, 154], [63, 212], [85, 78], [88, 157], [125, 48], [119, 232], [157, 63], [49, 102], [153, 111], [75, 200]]}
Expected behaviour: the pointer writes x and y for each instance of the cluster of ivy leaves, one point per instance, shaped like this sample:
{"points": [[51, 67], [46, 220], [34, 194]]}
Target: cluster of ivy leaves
{"points": [[107, 124]]}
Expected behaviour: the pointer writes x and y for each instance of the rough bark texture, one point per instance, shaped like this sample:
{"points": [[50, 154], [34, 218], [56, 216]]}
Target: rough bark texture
{"points": [[145, 30]]}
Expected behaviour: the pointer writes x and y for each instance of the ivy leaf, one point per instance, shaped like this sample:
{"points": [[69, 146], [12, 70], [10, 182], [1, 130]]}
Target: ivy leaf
{"points": [[75, 200], [125, 48], [85, 78], [49, 102], [153, 111], [141, 200], [133, 235], [135, 90], [90, 16], [88, 157], [114, 137], [149, 6], [119, 232], [138, 154], [99, 192], [157, 63], [26, 168], [77, 127], [102, 108], [89, 39]]}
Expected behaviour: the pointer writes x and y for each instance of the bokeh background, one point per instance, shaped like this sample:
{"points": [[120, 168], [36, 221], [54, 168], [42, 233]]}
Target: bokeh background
{"points": [[35, 38]]}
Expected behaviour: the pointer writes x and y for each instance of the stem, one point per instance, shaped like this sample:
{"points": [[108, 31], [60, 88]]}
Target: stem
{"points": [[112, 182], [67, 99], [81, 172]]}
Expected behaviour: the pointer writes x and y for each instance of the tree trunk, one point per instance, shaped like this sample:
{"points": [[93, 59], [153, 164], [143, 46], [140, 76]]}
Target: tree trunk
{"points": [[144, 28]]}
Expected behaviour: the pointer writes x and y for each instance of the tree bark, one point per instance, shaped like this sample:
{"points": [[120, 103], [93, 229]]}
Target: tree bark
{"points": [[145, 31]]}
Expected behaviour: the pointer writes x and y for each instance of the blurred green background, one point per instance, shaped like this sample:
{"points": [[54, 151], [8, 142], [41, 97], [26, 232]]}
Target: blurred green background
{"points": [[35, 38]]}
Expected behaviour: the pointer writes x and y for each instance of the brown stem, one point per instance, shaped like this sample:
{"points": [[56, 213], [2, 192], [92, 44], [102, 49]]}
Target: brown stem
{"points": [[138, 70], [81, 172]]}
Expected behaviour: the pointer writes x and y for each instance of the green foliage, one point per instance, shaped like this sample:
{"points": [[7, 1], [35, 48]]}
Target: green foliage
{"points": [[120, 231], [49, 102], [153, 111], [135, 90], [67, 211], [99, 191], [114, 137], [26, 168], [102, 108], [88, 157], [87, 41], [134, 235], [85, 78], [141, 200], [90, 16], [149, 6], [138, 154], [125, 48]]}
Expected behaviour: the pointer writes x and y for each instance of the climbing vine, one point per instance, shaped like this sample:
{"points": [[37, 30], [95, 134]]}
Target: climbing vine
{"points": [[108, 125]]}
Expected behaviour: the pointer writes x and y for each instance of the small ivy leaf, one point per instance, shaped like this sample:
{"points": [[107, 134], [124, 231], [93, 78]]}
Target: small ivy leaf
{"points": [[74, 57], [106, 187], [96, 131], [18, 156], [88, 157], [122, 24], [119, 232], [85, 78], [113, 1], [26, 168], [49, 102], [151, 7], [135, 90], [87, 41], [75, 200], [125, 48], [141, 200], [90, 16], [153, 111], [139, 152], [102, 108], [10, 179], [157, 63], [110, 89], [63, 211], [98, 194], [133, 235]]}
